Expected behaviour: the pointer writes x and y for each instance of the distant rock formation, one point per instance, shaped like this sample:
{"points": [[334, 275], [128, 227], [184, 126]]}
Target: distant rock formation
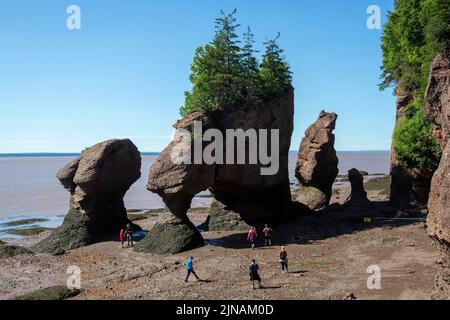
{"points": [[409, 186], [317, 164], [357, 183], [97, 182], [241, 188]]}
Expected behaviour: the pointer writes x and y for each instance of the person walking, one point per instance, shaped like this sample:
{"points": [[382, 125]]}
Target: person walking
{"points": [[284, 260], [122, 236], [254, 275], [267, 235], [190, 269], [129, 234], [252, 235]]}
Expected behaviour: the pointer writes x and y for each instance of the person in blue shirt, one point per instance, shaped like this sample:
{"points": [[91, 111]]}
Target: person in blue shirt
{"points": [[253, 269], [190, 269]]}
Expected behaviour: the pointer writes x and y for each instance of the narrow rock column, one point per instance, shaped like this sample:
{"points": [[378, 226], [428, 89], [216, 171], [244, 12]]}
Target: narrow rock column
{"points": [[317, 164]]}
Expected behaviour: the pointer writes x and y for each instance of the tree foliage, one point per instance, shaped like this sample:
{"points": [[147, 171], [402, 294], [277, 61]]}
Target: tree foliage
{"points": [[225, 75], [414, 143], [416, 31], [274, 73]]}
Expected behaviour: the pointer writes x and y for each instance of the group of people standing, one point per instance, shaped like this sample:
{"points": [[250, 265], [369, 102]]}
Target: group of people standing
{"points": [[252, 235], [127, 235], [253, 268]]}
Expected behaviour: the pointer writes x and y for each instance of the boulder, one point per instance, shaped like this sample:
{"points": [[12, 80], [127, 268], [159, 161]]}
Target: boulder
{"points": [[171, 235], [312, 197], [222, 218], [7, 251], [317, 164], [357, 184], [357, 204], [97, 182], [54, 293], [241, 188]]}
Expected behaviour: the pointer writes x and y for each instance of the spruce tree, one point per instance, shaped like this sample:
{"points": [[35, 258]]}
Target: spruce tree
{"points": [[216, 72], [250, 68], [275, 73], [226, 76]]}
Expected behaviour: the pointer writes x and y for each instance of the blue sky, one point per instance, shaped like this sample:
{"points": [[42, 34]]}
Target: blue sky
{"points": [[124, 73]]}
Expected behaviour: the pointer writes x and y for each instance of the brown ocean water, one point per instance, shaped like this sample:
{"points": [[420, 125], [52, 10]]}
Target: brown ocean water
{"points": [[29, 188]]}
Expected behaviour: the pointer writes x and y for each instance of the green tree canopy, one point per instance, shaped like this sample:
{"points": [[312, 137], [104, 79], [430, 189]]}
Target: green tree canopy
{"points": [[275, 74], [416, 31], [225, 75]]}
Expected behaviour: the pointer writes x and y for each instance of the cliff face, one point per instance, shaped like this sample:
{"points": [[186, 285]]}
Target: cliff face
{"points": [[241, 188], [409, 186], [437, 97], [437, 108]]}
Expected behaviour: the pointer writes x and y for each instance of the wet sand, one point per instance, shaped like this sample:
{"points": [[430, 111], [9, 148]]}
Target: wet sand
{"points": [[328, 258]]}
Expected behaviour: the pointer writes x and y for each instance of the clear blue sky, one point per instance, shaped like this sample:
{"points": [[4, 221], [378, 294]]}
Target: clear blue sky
{"points": [[124, 73]]}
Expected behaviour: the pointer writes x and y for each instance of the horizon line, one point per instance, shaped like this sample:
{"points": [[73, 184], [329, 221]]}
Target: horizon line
{"points": [[24, 154]]}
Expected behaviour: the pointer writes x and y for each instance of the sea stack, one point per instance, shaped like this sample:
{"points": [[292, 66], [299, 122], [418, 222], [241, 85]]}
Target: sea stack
{"points": [[97, 182], [241, 188], [317, 164]]}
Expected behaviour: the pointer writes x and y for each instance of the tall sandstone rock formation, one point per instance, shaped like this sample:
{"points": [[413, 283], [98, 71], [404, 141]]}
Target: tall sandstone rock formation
{"points": [[97, 182], [240, 188], [437, 108], [317, 164], [409, 186]]}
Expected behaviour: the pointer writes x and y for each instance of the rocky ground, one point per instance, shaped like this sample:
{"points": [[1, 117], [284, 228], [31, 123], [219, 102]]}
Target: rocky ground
{"points": [[328, 255]]}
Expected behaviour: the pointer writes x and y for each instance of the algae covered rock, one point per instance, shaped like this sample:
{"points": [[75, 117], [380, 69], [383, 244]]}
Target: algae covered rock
{"points": [[171, 235], [222, 218], [50, 293], [7, 251]]}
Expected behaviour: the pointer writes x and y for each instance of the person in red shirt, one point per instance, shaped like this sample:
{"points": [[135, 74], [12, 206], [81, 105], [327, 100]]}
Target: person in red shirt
{"points": [[122, 236]]}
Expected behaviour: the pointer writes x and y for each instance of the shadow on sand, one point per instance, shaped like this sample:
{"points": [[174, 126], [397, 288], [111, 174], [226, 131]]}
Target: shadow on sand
{"points": [[321, 225]]}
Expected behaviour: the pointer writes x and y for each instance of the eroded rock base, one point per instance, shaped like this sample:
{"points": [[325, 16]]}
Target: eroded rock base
{"points": [[171, 235]]}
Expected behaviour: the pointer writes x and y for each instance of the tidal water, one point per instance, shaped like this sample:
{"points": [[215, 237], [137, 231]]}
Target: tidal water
{"points": [[29, 188]]}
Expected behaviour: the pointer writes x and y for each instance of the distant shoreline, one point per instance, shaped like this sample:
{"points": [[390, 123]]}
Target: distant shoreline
{"points": [[68, 154], [51, 154]]}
